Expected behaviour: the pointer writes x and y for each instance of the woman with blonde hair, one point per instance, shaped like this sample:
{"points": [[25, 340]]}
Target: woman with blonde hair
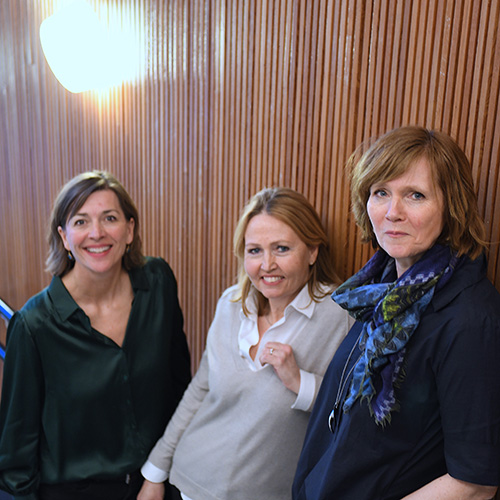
{"points": [[238, 430]]}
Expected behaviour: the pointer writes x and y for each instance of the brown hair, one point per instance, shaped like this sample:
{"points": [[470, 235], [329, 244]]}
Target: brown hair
{"points": [[393, 154], [70, 199], [293, 209]]}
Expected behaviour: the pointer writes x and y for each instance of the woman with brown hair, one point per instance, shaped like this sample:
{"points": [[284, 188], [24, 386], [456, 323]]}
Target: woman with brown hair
{"points": [[409, 407], [97, 362]]}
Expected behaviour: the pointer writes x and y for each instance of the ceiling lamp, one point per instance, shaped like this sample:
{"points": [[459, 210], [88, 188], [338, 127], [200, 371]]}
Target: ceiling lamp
{"points": [[77, 48]]}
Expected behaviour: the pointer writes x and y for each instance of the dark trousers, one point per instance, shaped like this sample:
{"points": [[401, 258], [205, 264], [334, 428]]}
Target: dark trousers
{"points": [[124, 488]]}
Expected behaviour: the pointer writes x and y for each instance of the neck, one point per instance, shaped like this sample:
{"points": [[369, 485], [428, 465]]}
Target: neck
{"points": [[273, 314], [97, 287]]}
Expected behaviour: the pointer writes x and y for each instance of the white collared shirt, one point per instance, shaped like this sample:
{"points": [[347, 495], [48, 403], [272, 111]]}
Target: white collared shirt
{"points": [[299, 311], [313, 329]]}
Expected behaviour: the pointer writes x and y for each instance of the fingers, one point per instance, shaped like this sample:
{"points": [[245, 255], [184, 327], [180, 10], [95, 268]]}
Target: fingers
{"points": [[275, 353], [281, 358], [278, 349]]}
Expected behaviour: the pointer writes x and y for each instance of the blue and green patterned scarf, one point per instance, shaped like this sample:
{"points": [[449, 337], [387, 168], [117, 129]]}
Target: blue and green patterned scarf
{"points": [[390, 312]]}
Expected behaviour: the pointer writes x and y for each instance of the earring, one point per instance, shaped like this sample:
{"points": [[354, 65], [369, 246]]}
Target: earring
{"points": [[70, 255], [127, 248]]}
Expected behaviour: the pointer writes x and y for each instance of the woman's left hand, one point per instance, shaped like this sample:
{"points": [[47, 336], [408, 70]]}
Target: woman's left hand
{"points": [[281, 358]]}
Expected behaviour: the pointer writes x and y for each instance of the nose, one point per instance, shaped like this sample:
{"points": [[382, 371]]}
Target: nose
{"points": [[96, 231], [268, 261], [394, 210]]}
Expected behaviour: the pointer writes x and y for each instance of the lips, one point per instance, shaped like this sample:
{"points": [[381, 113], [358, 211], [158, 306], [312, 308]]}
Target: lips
{"points": [[395, 234], [98, 250], [272, 279]]}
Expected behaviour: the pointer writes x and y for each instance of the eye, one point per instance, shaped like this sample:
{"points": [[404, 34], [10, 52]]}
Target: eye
{"points": [[110, 218], [253, 251], [381, 193], [78, 222], [417, 196], [282, 248]]}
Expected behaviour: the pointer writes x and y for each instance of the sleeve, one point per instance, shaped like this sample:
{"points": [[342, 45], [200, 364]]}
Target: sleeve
{"points": [[469, 395], [308, 390], [161, 455], [180, 359], [20, 412]]}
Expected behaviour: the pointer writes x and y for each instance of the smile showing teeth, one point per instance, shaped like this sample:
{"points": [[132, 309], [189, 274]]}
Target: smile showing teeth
{"points": [[98, 250], [271, 279]]}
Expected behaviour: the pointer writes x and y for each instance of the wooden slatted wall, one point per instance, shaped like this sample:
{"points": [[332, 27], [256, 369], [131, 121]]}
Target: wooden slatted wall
{"points": [[233, 96]]}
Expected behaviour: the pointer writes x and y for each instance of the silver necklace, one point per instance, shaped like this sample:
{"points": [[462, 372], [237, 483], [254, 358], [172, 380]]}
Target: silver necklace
{"points": [[343, 383]]}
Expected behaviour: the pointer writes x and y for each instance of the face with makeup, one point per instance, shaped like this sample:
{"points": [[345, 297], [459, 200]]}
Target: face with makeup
{"points": [[407, 214], [276, 260], [98, 233]]}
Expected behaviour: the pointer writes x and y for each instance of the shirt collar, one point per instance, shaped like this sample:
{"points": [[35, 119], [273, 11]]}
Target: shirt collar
{"points": [[64, 303], [61, 299]]}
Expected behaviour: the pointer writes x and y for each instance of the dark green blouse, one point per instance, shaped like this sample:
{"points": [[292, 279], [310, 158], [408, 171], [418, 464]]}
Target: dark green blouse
{"points": [[74, 404]]}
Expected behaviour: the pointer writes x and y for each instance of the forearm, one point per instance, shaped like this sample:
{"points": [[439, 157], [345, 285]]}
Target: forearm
{"points": [[449, 488]]}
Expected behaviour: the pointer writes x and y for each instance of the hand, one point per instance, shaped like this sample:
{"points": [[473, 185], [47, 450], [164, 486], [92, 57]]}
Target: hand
{"points": [[281, 358], [151, 491]]}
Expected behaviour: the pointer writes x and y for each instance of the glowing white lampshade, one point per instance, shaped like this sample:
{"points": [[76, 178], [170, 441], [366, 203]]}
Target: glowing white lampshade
{"points": [[77, 48]]}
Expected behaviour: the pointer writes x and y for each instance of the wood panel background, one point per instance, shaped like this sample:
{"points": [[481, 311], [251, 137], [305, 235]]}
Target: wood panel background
{"points": [[233, 96]]}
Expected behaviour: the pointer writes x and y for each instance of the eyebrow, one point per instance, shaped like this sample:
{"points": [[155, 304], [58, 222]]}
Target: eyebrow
{"points": [[409, 187], [85, 214], [279, 242]]}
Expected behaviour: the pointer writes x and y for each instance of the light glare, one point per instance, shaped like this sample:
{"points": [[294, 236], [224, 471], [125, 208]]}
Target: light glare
{"points": [[80, 50]]}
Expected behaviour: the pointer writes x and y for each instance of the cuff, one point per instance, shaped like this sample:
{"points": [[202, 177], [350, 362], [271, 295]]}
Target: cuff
{"points": [[307, 390], [153, 473]]}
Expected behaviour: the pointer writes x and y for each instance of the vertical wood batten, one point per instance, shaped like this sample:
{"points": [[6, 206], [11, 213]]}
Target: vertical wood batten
{"points": [[230, 97]]}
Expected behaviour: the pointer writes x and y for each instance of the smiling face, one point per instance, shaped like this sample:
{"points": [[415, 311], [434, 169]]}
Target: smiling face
{"points": [[97, 235], [276, 260], [406, 214]]}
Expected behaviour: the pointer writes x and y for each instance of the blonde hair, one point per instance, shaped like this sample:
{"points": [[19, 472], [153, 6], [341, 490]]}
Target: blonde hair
{"points": [[293, 209], [393, 154]]}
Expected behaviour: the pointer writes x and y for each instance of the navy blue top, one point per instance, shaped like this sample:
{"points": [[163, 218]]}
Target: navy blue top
{"points": [[75, 405], [449, 416]]}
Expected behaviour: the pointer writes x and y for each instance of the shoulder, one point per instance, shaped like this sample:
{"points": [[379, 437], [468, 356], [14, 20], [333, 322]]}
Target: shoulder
{"points": [[230, 294], [37, 311], [326, 306], [228, 301], [463, 319], [154, 280], [155, 269], [226, 320], [327, 325], [227, 308], [39, 304], [469, 295], [35, 302], [156, 265]]}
